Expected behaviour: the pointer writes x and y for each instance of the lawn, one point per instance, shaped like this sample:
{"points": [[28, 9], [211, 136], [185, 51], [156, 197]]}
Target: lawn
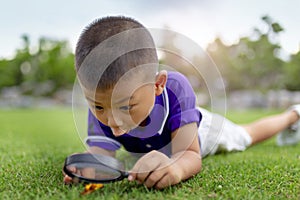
{"points": [[35, 142]]}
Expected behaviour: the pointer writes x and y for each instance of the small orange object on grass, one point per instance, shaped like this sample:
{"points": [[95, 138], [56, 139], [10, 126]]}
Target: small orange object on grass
{"points": [[89, 188]]}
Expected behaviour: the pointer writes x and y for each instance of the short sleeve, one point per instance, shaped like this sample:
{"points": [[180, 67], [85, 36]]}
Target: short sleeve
{"points": [[182, 102]]}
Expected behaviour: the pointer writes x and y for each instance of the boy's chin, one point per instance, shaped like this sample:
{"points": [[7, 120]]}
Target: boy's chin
{"points": [[118, 132]]}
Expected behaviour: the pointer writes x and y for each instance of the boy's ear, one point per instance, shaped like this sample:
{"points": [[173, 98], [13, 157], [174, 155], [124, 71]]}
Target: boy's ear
{"points": [[160, 82]]}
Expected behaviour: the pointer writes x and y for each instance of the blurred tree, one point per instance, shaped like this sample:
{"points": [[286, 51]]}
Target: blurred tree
{"points": [[53, 63], [11, 73], [273, 27], [174, 55], [250, 64], [42, 72], [292, 72]]}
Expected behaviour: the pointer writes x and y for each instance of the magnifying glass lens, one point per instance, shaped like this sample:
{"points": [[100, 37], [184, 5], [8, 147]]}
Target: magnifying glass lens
{"points": [[95, 171], [94, 168]]}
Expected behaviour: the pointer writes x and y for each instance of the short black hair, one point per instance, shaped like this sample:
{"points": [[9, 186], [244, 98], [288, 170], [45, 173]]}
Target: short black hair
{"points": [[102, 30]]}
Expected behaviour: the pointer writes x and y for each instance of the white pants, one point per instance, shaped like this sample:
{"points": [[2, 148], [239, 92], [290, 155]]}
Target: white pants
{"points": [[218, 134]]}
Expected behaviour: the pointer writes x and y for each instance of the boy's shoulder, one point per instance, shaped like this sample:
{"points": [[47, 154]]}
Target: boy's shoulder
{"points": [[174, 75], [178, 83]]}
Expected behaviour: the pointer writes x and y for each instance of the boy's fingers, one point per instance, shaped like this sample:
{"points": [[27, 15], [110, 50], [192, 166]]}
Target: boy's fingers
{"points": [[71, 169], [67, 179], [88, 173], [154, 178], [134, 171], [142, 170], [131, 176]]}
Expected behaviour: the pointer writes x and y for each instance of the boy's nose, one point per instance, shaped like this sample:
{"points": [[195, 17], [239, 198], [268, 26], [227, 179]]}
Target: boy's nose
{"points": [[115, 124], [113, 120]]}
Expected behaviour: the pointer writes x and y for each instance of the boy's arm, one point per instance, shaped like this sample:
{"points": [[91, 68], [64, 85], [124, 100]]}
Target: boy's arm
{"points": [[186, 150], [157, 170]]}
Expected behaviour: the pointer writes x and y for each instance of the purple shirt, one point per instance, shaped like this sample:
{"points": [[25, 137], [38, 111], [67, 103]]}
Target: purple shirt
{"points": [[174, 108]]}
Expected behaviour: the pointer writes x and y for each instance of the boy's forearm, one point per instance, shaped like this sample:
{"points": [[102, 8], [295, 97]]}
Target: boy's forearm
{"points": [[189, 163]]}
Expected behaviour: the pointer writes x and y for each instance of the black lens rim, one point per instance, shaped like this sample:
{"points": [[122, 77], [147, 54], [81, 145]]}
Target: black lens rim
{"points": [[107, 161]]}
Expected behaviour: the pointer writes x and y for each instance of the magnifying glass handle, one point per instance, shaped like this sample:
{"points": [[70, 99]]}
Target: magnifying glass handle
{"points": [[125, 174]]}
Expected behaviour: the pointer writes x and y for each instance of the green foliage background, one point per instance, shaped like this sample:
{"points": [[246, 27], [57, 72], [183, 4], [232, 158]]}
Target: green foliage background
{"points": [[51, 64], [252, 63], [255, 63]]}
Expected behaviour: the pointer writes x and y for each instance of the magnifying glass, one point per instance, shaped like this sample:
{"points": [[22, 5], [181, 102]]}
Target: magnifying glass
{"points": [[94, 168]]}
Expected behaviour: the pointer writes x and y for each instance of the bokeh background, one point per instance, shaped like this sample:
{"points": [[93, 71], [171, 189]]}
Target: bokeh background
{"points": [[254, 44]]}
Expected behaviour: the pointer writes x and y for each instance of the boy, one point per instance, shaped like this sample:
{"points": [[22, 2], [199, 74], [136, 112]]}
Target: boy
{"points": [[153, 114]]}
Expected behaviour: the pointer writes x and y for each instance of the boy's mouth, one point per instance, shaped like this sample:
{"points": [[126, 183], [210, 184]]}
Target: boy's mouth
{"points": [[122, 130], [118, 131]]}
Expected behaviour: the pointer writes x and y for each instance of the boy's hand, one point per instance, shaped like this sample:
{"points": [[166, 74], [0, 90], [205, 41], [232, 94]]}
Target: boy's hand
{"points": [[86, 172], [68, 179], [157, 170]]}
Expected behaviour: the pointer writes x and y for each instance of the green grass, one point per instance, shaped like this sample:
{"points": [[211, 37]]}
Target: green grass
{"points": [[35, 142]]}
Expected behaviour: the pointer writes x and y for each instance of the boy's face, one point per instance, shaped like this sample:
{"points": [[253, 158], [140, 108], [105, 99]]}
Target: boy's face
{"points": [[125, 106]]}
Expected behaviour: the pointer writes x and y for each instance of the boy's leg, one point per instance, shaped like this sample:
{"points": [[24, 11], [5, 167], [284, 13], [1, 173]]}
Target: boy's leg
{"points": [[218, 134], [265, 128]]}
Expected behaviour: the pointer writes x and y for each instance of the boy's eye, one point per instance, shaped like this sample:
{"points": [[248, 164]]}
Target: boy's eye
{"points": [[98, 107], [125, 107]]}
